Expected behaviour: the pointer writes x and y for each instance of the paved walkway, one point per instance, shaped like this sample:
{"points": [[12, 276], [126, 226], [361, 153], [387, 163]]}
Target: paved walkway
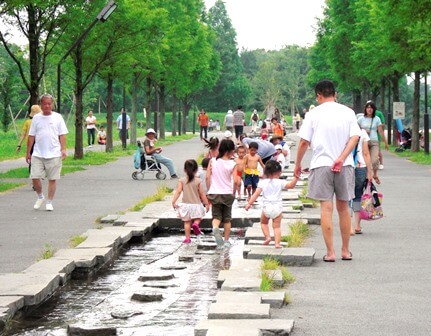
{"points": [[81, 198]]}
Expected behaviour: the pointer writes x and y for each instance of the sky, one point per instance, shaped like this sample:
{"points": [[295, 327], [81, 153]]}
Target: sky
{"points": [[273, 24]]}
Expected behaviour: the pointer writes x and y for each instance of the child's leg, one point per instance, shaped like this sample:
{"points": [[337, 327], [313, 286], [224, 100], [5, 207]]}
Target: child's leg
{"points": [[277, 230], [265, 229], [227, 227], [195, 226], [187, 229]]}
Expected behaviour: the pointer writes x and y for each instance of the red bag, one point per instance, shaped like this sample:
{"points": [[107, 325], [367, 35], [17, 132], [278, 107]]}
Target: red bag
{"points": [[371, 203]]}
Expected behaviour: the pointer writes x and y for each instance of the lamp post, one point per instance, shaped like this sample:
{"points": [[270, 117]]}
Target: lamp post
{"points": [[102, 17]]}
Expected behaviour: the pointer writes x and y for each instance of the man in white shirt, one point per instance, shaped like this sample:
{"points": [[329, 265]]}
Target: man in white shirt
{"points": [[332, 132], [49, 150]]}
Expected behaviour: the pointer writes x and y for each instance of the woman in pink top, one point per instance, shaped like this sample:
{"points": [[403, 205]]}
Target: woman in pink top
{"points": [[191, 209], [222, 179]]}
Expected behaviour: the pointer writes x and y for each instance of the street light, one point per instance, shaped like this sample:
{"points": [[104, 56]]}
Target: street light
{"points": [[102, 17]]}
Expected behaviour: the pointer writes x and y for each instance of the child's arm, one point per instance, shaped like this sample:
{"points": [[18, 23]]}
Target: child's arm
{"points": [[177, 195], [236, 181], [253, 198], [204, 198], [208, 177], [292, 183], [261, 162]]}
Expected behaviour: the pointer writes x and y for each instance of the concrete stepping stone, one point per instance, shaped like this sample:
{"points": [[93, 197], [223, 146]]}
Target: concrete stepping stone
{"points": [[207, 245], [76, 330], [125, 314], [231, 327], [153, 284], [147, 297], [86, 258], [109, 219], [132, 216], [234, 310], [223, 331], [173, 267], [311, 218], [241, 284], [186, 258], [205, 252], [156, 276], [260, 242], [292, 256], [274, 299]]}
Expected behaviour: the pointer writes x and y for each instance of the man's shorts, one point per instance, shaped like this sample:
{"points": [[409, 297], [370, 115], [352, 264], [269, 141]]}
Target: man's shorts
{"points": [[324, 183], [221, 207], [252, 180], [40, 167]]}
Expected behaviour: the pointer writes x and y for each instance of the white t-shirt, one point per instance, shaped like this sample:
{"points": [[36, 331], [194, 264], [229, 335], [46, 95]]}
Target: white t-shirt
{"points": [[46, 130], [329, 127], [365, 123], [221, 176], [280, 158], [363, 141], [271, 190], [92, 120]]}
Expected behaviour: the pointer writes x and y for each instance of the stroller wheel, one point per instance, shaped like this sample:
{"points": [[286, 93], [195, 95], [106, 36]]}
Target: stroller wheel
{"points": [[135, 175], [161, 176]]}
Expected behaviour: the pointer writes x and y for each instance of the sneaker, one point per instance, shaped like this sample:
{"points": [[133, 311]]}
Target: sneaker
{"points": [[49, 207], [89, 146], [196, 230], [227, 244], [174, 176], [38, 203], [218, 237], [187, 241], [381, 167]]}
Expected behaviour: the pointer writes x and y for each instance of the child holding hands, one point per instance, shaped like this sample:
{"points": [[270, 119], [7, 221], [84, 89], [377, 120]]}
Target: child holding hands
{"points": [[191, 209], [271, 188]]}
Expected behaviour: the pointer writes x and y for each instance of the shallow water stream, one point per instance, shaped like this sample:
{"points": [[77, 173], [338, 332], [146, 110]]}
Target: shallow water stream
{"points": [[186, 297]]}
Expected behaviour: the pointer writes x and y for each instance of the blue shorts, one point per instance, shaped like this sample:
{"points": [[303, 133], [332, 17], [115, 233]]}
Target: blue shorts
{"points": [[252, 180]]}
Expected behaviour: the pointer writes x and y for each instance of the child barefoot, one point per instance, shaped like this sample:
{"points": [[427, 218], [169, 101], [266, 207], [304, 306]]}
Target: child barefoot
{"points": [[272, 202], [251, 160], [240, 151], [222, 179], [191, 209]]}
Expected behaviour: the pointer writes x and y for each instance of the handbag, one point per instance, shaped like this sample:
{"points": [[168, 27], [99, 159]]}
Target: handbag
{"points": [[371, 203]]}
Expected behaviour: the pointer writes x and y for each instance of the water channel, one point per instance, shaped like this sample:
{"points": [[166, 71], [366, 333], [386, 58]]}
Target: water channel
{"points": [[105, 300]]}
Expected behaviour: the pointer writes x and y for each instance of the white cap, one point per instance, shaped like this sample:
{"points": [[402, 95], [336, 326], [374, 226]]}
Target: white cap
{"points": [[228, 134], [150, 130], [278, 146], [229, 112]]}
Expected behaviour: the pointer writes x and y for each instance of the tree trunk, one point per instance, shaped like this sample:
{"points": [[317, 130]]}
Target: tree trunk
{"points": [[174, 116], [186, 109], [148, 101], [382, 95], [415, 117], [134, 113], [109, 114], [34, 57], [162, 111], [79, 89], [357, 102]]}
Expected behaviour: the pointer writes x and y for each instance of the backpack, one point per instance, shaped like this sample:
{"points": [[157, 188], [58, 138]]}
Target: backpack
{"points": [[137, 158], [254, 117]]}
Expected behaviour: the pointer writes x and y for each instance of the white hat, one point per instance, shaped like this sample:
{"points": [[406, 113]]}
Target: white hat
{"points": [[228, 134], [229, 112], [150, 130], [278, 146]]}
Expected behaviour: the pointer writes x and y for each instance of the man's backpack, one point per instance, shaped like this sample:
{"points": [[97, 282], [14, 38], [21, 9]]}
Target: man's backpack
{"points": [[254, 117]]}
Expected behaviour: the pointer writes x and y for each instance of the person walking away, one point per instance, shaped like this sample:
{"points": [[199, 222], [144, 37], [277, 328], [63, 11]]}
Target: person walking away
{"points": [[333, 132], [120, 126], [297, 119], [203, 121], [240, 152], [49, 150], [277, 129], [91, 128], [363, 171], [251, 161], [254, 119], [373, 126], [190, 210], [202, 173], [101, 136], [276, 114], [228, 121], [35, 109], [151, 149], [222, 179], [238, 121], [272, 209]]}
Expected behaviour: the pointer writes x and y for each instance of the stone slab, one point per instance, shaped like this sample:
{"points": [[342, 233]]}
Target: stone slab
{"points": [[223, 331], [241, 284], [232, 310], [109, 219], [266, 326], [260, 242], [86, 257], [77, 330], [12, 303], [145, 224], [51, 266], [100, 238], [292, 256], [237, 275], [238, 297], [311, 218], [131, 216], [35, 288]]}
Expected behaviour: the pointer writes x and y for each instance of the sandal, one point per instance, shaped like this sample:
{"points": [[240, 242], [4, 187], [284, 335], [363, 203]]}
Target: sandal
{"points": [[376, 178]]}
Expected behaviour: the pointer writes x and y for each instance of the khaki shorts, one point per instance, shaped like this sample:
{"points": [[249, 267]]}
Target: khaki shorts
{"points": [[49, 168], [324, 183], [221, 207]]}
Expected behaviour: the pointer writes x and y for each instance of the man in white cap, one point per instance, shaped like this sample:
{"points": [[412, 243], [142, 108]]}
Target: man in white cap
{"points": [[151, 149], [228, 135]]}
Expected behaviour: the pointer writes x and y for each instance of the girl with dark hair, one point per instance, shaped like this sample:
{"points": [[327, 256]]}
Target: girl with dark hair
{"points": [[222, 179], [271, 188], [190, 210], [373, 126], [212, 146]]}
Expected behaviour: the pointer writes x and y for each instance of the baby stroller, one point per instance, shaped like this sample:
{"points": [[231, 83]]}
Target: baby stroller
{"points": [[406, 140], [146, 164]]}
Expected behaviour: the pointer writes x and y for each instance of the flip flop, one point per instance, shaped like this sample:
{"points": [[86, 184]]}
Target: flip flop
{"points": [[348, 258], [358, 231], [328, 260]]}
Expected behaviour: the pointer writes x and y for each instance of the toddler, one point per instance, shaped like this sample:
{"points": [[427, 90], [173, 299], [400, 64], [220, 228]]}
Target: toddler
{"points": [[240, 151], [251, 160]]}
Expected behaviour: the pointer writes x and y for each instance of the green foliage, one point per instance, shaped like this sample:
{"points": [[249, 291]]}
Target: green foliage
{"points": [[47, 252], [298, 233], [162, 191], [6, 186], [267, 283], [74, 241], [270, 263], [417, 157]]}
